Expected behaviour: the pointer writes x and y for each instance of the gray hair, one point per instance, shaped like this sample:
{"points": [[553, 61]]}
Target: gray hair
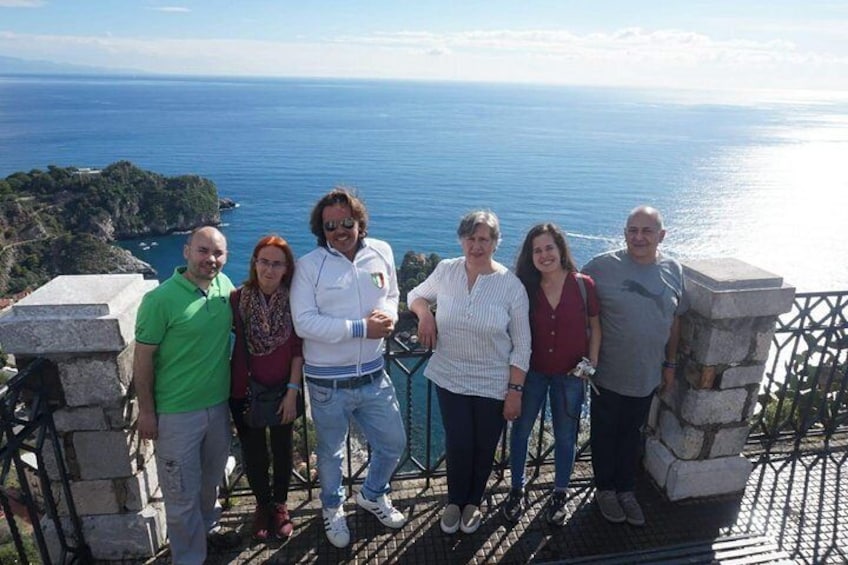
{"points": [[471, 220], [648, 211]]}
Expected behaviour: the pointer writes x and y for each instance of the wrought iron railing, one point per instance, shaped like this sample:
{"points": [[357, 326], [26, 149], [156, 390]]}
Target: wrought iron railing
{"points": [[804, 394], [424, 458], [27, 428]]}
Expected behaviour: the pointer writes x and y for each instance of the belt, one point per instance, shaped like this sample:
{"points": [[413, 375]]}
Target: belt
{"points": [[347, 382]]}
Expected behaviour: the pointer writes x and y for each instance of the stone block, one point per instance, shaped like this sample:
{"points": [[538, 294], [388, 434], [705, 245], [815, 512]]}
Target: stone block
{"points": [[90, 497], [658, 460], [710, 477], [141, 487], [75, 314], [96, 379], [752, 404], [51, 465], [729, 288], [729, 441], [762, 343], [684, 441], [118, 537], [104, 455], [740, 376], [123, 416], [705, 407], [700, 376], [730, 342], [654, 413], [84, 418]]}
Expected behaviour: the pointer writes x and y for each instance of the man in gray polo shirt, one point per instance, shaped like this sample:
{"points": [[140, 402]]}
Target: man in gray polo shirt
{"points": [[642, 298]]}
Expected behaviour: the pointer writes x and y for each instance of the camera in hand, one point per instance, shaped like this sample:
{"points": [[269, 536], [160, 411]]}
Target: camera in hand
{"points": [[584, 369]]}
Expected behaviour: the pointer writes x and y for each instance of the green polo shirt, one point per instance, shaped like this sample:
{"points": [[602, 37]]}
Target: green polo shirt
{"points": [[192, 332]]}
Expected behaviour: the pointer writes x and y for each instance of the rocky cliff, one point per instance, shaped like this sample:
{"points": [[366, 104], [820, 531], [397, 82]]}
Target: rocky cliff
{"points": [[64, 220]]}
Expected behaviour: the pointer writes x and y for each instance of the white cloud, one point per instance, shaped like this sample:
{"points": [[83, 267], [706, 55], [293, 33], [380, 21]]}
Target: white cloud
{"points": [[172, 9], [438, 51], [21, 3], [625, 57]]}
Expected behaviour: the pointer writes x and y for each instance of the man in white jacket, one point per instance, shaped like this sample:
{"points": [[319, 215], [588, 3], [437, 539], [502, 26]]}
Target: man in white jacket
{"points": [[344, 303]]}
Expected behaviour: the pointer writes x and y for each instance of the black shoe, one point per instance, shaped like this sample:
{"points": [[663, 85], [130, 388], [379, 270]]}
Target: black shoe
{"points": [[221, 540], [556, 511], [513, 506]]}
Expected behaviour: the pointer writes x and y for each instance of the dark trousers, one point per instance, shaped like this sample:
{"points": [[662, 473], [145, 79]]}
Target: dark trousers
{"points": [[473, 426], [616, 438], [254, 453]]}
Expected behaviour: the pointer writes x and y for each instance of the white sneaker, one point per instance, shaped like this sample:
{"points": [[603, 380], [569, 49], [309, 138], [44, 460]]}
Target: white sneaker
{"points": [[335, 525], [383, 509]]}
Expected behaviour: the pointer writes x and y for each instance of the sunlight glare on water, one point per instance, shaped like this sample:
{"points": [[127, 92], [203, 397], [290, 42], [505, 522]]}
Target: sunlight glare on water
{"points": [[765, 197]]}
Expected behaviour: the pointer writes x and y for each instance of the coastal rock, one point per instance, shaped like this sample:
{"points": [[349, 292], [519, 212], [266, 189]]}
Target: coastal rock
{"points": [[124, 262], [64, 220]]}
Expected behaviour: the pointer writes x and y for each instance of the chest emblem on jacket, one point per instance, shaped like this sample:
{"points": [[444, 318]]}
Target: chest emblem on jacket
{"points": [[379, 280]]}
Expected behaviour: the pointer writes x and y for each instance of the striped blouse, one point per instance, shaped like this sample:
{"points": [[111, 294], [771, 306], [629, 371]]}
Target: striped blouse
{"points": [[480, 333]]}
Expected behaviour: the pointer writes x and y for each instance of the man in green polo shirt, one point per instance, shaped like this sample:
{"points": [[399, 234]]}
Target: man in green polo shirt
{"points": [[182, 380]]}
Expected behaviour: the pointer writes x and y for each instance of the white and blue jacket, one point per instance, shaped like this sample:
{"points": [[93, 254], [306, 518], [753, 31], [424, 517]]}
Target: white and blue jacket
{"points": [[331, 297]]}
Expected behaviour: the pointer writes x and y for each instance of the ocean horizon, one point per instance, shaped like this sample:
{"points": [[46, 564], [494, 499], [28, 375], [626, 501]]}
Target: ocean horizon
{"points": [[765, 181]]}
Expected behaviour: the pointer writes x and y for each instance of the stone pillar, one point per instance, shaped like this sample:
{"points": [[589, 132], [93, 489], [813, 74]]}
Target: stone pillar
{"points": [[84, 325], [698, 429]]}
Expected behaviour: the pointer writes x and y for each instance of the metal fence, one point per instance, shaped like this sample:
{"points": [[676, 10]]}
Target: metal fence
{"points": [[27, 439], [804, 399], [424, 458], [804, 395]]}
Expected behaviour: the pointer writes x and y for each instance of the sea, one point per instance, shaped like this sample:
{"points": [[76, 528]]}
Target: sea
{"points": [[762, 177]]}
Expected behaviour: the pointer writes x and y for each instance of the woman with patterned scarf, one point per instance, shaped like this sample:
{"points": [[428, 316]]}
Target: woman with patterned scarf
{"points": [[269, 352]]}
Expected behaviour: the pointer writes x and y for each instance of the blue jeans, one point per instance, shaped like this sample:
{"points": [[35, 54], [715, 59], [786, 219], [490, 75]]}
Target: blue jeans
{"points": [[191, 453], [375, 409], [566, 400]]}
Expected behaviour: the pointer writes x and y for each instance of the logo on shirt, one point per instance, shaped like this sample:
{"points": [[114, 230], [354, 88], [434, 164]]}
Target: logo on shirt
{"points": [[379, 280]]}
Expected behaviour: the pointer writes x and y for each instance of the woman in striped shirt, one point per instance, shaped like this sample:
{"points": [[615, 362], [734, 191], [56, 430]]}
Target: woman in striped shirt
{"points": [[480, 336]]}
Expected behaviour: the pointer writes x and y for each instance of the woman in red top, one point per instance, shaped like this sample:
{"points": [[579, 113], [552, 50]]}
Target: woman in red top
{"points": [[566, 328], [268, 351]]}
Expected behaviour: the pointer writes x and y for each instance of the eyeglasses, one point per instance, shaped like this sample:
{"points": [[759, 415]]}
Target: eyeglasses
{"points": [[346, 223], [270, 264]]}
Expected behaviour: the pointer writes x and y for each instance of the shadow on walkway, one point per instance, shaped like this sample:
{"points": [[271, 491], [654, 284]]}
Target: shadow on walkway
{"points": [[794, 501]]}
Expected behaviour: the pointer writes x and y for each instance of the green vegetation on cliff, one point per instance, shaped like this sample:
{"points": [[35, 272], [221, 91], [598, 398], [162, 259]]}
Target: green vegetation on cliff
{"points": [[413, 270], [63, 220]]}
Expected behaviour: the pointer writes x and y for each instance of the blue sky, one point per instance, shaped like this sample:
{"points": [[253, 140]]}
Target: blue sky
{"points": [[717, 44]]}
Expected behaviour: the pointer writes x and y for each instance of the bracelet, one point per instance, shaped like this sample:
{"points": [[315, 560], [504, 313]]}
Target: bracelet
{"points": [[669, 365], [515, 387], [293, 386]]}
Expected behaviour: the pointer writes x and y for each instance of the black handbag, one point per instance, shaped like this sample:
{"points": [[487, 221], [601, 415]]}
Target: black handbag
{"points": [[262, 404]]}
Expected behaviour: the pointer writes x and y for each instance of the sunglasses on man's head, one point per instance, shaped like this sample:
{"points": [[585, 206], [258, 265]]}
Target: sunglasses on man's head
{"points": [[346, 223]]}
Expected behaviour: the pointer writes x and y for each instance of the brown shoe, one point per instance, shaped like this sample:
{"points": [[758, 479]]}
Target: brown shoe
{"points": [[281, 522], [260, 522]]}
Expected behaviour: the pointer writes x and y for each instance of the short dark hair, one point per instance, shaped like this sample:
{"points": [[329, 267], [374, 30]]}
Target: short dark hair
{"points": [[345, 196]]}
